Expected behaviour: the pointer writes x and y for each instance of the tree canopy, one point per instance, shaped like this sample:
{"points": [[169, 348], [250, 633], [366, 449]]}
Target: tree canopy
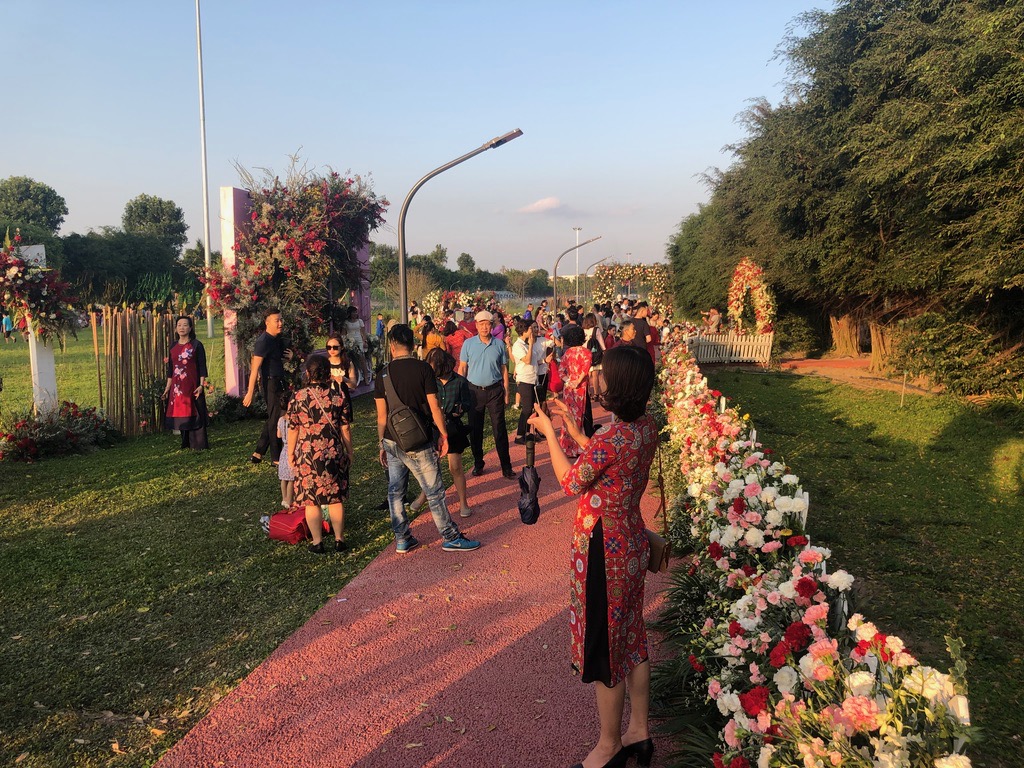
{"points": [[27, 202], [150, 215], [889, 181]]}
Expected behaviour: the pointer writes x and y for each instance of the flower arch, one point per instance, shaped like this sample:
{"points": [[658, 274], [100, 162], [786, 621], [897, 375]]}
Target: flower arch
{"points": [[608, 280], [748, 277]]}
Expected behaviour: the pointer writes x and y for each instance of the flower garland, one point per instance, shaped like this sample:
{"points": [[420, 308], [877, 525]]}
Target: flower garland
{"points": [[748, 277], [795, 679], [609, 278], [36, 294]]}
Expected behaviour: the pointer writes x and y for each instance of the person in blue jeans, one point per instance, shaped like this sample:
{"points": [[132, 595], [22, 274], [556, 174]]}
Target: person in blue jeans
{"points": [[416, 387]]}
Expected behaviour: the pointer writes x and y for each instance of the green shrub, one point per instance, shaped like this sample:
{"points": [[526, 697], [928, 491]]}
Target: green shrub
{"points": [[798, 330], [70, 429], [965, 357]]}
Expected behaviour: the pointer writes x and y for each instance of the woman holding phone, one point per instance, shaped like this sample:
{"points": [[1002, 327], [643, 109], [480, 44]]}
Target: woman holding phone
{"points": [[610, 553]]}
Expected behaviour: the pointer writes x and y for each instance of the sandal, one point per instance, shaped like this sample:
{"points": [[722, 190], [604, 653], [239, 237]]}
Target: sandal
{"points": [[256, 458]]}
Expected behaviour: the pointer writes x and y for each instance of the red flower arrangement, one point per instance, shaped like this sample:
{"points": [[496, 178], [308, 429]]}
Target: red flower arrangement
{"points": [[36, 294], [748, 277]]}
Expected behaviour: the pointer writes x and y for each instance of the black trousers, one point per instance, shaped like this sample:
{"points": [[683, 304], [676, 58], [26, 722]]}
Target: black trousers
{"points": [[493, 401], [272, 388], [527, 398]]}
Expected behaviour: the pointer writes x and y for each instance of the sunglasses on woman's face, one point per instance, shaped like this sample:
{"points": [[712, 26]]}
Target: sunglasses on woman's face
{"points": [[333, 346]]}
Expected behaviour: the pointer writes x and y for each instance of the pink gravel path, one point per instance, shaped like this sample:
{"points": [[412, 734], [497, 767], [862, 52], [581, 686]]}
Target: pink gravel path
{"points": [[431, 658]]}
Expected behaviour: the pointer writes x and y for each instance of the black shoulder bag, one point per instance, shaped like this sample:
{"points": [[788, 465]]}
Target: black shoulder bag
{"points": [[405, 424]]}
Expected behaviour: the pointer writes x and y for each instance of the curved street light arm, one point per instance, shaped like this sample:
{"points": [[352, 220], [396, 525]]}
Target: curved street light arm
{"points": [[554, 280], [403, 292]]}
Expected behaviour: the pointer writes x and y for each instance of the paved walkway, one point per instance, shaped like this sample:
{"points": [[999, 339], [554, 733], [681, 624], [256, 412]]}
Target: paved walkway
{"points": [[431, 658]]}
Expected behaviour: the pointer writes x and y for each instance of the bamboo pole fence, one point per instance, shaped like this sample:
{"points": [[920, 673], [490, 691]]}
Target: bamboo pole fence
{"points": [[135, 349]]}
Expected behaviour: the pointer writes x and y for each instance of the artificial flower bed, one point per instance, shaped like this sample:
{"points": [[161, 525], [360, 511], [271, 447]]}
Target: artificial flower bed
{"points": [[765, 641], [69, 429]]}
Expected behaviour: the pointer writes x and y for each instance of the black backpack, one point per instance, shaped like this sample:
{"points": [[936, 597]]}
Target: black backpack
{"points": [[406, 424]]}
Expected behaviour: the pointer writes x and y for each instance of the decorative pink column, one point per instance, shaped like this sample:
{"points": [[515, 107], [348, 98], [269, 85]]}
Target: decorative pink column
{"points": [[235, 205], [360, 297]]}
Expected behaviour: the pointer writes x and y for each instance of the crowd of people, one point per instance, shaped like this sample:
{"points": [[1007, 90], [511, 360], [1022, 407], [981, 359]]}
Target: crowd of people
{"points": [[439, 382]]}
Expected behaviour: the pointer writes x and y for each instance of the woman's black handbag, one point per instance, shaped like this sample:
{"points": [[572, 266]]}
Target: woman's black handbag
{"points": [[596, 353]]}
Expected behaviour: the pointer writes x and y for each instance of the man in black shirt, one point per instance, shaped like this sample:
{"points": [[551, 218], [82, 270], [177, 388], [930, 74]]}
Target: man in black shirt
{"points": [[267, 365], [416, 387]]}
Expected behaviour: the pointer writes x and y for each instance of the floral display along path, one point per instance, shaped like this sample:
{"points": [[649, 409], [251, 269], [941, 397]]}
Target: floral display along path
{"points": [[429, 659]]}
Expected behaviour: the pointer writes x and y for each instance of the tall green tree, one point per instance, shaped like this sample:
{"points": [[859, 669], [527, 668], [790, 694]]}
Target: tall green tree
{"points": [[27, 202], [150, 215], [466, 263]]}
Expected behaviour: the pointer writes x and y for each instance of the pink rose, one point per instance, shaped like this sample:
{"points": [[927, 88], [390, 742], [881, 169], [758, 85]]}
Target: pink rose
{"points": [[770, 547]]}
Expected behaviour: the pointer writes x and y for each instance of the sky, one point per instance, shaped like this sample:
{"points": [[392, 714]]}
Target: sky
{"points": [[623, 105]]}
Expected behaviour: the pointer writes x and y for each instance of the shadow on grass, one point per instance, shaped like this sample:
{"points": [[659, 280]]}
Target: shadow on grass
{"points": [[922, 505]]}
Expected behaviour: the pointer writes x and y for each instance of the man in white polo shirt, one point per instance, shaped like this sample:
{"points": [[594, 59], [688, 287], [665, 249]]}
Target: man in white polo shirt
{"points": [[484, 362]]}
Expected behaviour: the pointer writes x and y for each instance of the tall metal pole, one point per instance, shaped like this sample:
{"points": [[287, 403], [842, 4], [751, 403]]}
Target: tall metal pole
{"points": [[554, 280], [403, 292], [206, 183], [577, 231], [587, 284]]}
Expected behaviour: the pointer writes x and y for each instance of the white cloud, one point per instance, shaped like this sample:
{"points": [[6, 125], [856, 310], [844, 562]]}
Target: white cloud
{"points": [[544, 205]]}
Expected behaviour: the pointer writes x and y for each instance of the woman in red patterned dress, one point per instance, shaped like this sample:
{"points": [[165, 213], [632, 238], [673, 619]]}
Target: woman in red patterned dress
{"points": [[574, 368], [320, 451], [610, 553], [184, 393]]}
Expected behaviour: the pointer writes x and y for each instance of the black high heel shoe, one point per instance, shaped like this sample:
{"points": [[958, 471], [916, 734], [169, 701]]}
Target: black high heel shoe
{"points": [[643, 751], [618, 761]]}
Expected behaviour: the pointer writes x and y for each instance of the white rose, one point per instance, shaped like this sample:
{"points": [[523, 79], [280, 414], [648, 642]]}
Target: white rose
{"points": [[774, 517], [867, 631], [953, 761], [751, 478], [731, 535], [787, 590], [754, 538], [729, 702], [777, 468], [784, 504], [790, 479], [764, 760], [840, 580], [855, 621], [894, 645], [860, 683], [807, 666], [694, 490], [786, 679]]}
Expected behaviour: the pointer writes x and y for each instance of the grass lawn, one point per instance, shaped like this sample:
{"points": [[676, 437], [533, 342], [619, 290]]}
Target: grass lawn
{"points": [[922, 505]]}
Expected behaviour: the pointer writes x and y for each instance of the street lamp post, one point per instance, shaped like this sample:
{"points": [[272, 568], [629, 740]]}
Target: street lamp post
{"points": [[555, 270], [577, 231], [403, 291], [587, 272], [629, 283]]}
